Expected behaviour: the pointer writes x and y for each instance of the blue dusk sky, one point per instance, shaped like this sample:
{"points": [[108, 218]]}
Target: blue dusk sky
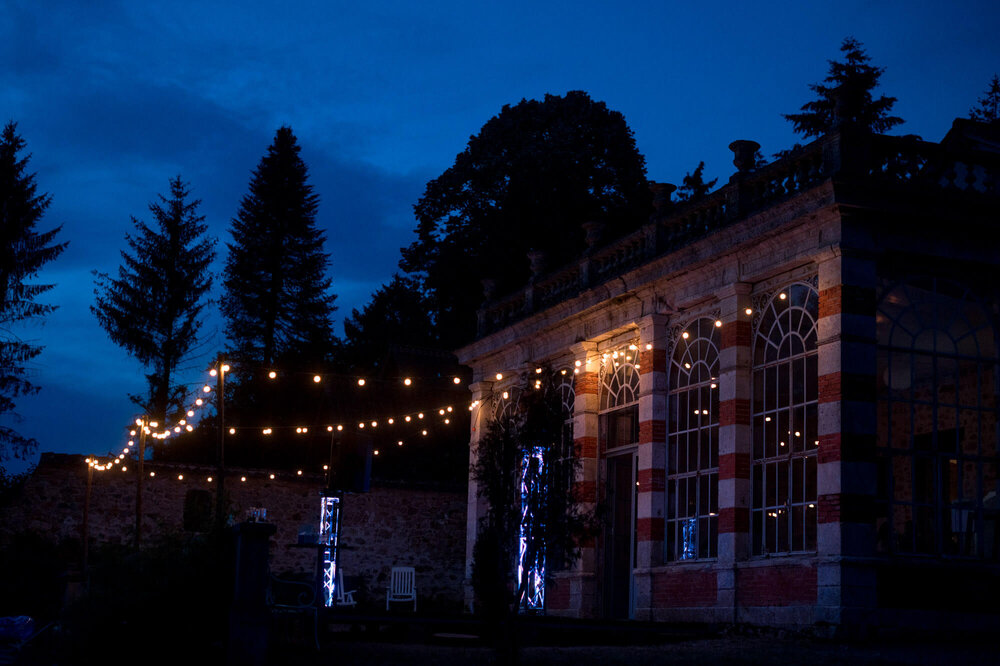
{"points": [[115, 97]]}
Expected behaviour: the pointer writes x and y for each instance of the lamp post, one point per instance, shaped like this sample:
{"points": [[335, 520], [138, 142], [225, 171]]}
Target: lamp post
{"points": [[143, 424], [220, 484]]}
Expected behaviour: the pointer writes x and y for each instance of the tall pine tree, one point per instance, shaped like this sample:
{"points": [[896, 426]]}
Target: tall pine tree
{"points": [[23, 252], [153, 308], [277, 301], [847, 93], [987, 109]]}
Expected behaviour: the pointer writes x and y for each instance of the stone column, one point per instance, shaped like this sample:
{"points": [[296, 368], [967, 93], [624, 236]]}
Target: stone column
{"points": [[652, 460], [582, 593], [735, 363], [846, 469], [479, 420]]}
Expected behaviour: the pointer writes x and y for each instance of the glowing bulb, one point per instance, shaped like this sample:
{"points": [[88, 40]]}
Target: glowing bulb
{"points": [[298, 430], [190, 412], [232, 431], [177, 428], [361, 382], [447, 421], [718, 323], [361, 425], [272, 374], [649, 346], [199, 402], [563, 371], [499, 376], [271, 476], [456, 380], [124, 468], [399, 443], [538, 371], [767, 419], [420, 415], [633, 348], [153, 424], [577, 364], [206, 389], [243, 479], [180, 477], [375, 452], [685, 335], [423, 432], [687, 366], [213, 372], [407, 381], [299, 472], [374, 424], [441, 412], [138, 422], [130, 442], [152, 473], [798, 434], [329, 428], [317, 379], [209, 479], [713, 385], [390, 421], [225, 367], [749, 311], [407, 419], [505, 395], [576, 371], [339, 428], [131, 433]]}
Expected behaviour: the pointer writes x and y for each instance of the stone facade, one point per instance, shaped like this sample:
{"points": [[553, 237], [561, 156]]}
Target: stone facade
{"points": [[755, 332], [384, 527]]}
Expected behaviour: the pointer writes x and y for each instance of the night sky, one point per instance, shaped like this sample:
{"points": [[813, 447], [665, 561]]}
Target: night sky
{"points": [[114, 98]]}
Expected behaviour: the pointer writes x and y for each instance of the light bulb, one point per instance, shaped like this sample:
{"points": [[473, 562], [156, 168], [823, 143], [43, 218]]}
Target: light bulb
{"points": [[423, 432], [209, 479], [420, 415], [499, 376], [407, 381], [685, 335], [225, 367], [206, 389], [232, 431], [361, 382], [399, 443], [782, 296], [505, 395], [317, 379], [339, 428], [199, 402], [441, 412], [180, 477], [326, 467], [213, 372], [329, 428], [406, 418], [299, 472], [718, 323], [271, 476], [375, 451], [456, 380], [272, 374], [390, 421], [243, 479]]}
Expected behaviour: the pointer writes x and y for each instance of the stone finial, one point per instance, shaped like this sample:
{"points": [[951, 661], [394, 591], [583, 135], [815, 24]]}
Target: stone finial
{"points": [[489, 288], [536, 260], [743, 154], [594, 231]]}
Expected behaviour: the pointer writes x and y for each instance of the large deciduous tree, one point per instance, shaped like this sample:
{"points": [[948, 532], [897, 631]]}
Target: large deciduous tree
{"points": [[532, 175], [23, 252], [847, 95], [153, 309], [277, 301]]}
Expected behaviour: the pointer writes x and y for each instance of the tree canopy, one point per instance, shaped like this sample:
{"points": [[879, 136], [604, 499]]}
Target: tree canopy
{"points": [[694, 186], [852, 82], [532, 175], [153, 308], [23, 252], [277, 301], [987, 107]]}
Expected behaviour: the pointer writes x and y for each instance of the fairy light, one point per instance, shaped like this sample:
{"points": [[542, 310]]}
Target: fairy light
{"points": [[399, 443], [298, 472], [317, 379], [180, 477], [749, 311], [375, 452], [406, 418], [447, 421], [361, 382], [213, 372], [499, 376], [538, 371], [199, 402], [423, 432], [407, 381], [718, 323], [232, 431], [209, 479], [374, 424], [271, 476], [782, 296], [206, 388], [339, 428], [243, 479], [685, 335], [456, 380], [390, 420], [272, 374], [420, 415]]}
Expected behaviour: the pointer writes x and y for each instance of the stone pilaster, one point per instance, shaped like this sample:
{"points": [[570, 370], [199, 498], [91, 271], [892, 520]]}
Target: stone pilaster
{"points": [[481, 392]]}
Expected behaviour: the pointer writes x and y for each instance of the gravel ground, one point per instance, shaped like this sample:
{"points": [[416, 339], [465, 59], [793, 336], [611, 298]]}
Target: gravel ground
{"points": [[731, 650]]}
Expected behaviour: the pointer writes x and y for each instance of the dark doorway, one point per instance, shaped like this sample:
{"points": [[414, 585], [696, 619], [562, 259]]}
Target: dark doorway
{"points": [[619, 543]]}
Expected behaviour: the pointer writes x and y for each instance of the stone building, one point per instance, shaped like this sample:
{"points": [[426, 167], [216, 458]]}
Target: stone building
{"points": [[784, 395]]}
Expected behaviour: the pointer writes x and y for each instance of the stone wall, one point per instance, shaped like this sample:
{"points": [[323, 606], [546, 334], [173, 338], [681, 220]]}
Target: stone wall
{"points": [[387, 526]]}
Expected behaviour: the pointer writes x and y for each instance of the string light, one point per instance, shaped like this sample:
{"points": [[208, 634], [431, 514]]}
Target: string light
{"points": [[206, 389], [272, 374], [456, 380], [317, 379], [718, 323], [782, 296], [499, 376], [685, 335], [243, 479], [209, 479], [749, 311], [361, 382]]}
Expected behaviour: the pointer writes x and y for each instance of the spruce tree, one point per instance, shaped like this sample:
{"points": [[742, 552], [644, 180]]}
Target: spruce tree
{"points": [[852, 81], [988, 109], [23, 252], [277, 301], [153, 309]]}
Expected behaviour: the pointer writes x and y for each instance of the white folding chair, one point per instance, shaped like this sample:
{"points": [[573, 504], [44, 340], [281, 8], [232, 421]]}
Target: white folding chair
{"points": [[402, 587], [343, 598]]}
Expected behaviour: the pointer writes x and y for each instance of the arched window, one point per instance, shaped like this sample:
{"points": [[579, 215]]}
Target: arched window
{"points": [[619, 398], [937, 421], [693, 444], [785, 438]]}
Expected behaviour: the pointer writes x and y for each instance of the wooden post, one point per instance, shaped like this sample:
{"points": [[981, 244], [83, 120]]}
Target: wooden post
{"points": [[220, 483], [138, 483]]}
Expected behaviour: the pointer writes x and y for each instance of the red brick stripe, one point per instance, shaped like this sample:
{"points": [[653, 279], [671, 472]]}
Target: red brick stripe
{"points": [[734, 466], [649, 529], [652, 431], [733, 520], [734, 412], [585, 447], [846, 299], [652, 360], [735, 334], [652, 480]]}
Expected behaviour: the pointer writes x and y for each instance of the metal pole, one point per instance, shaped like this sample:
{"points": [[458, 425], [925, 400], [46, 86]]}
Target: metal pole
{"points": [[220, 484], [138, 484], [86, 517]]}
